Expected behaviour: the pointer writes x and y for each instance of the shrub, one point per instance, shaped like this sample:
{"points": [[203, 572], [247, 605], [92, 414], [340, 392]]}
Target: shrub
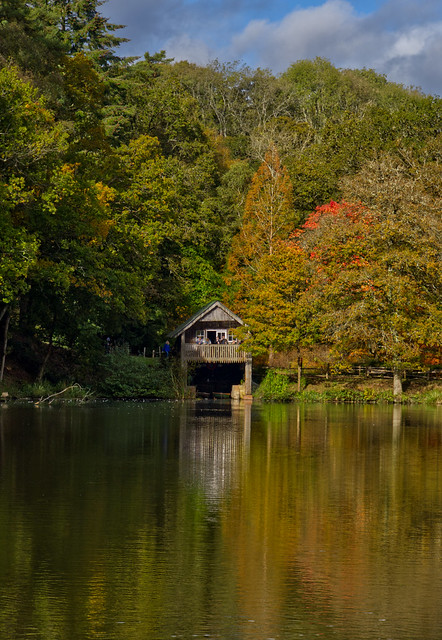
{"points": [[126, 376], [274, 387]]}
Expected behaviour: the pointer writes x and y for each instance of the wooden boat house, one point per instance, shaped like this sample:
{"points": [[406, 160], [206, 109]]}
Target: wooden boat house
{"points": [[208, 338]]}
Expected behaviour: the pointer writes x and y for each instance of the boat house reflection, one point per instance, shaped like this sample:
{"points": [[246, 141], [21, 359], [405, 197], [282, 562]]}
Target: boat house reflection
{"points": [[215, 444]]}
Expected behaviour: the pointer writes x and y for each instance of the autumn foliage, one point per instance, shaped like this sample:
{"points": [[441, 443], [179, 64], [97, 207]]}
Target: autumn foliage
{"points": [[347, 278], [133, 192]]}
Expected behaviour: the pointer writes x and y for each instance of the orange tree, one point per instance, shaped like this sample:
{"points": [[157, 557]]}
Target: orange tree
{"points": [[266, 221], [376, 280], [267, 271], [275, 317]]}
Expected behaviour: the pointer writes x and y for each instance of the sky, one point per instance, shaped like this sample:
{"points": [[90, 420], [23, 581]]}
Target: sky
{"points": [[401, 39]]}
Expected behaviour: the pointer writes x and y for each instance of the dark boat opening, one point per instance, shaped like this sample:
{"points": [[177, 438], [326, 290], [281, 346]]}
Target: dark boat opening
{"points": [[216, 378]]}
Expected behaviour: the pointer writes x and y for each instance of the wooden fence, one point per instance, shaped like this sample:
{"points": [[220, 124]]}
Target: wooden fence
{"points": [[363, 371]]}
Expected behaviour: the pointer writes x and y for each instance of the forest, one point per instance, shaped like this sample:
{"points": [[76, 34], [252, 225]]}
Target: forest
{"points": [[135, 191]]}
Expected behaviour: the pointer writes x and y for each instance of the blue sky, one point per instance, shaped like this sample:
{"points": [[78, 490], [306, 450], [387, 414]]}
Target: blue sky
{"points": [[399, 38]]}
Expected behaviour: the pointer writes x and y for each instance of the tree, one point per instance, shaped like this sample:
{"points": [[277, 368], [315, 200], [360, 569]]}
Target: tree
{"points": [[31, 141], [323, 92], [128, 86], [161, 237], [220, 91], [347, 117], [79, 25], [25, 42], [267, 219], [267, 272], [268, 215], [71, 275], [274, 316], [80, 105], [376, 277]]}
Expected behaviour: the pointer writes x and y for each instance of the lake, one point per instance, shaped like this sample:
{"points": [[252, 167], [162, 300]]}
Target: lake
{"points": [[215, 519]]}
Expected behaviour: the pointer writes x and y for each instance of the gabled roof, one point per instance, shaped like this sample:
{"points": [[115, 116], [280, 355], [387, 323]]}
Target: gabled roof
{"points": [[201, 314]]}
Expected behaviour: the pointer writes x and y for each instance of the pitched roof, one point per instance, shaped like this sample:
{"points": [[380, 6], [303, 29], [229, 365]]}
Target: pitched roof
{"points": [[199, 315]]}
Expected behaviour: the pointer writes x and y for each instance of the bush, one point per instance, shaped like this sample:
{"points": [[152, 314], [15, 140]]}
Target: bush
{"points": [[274, 387], [126, 376]]}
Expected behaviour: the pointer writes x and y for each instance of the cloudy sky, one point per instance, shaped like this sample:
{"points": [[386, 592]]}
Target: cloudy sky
{"points": [[399, 38]]}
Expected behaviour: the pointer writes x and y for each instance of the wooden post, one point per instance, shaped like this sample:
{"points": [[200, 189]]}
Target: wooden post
{"points": [[4, 341], [248, 377], [299, 373], [183, 358]]}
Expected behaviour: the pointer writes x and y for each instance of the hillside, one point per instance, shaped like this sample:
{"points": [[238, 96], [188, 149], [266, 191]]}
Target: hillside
{"points": [[134, 191]]}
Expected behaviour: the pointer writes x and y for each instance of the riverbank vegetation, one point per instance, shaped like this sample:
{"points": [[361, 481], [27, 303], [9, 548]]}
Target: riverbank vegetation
{"points": [[278, 386], [134, 191]]}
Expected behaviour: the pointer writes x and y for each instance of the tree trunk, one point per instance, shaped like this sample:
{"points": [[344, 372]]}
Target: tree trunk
{"points": [[45, 361], [3, 310], [397, 385], [299, 373], [4, 324], [48, 350]]}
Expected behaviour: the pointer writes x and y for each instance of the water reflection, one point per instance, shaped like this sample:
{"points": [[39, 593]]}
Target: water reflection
{"points": [[221, 520], [214, 445]]}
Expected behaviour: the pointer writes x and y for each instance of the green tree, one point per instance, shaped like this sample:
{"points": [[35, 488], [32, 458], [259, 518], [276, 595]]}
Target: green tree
{"points": [[31, 142], [348, 116], [80, 105], [71, 275], [160, 238], [25, 42], [80, 26], [144, 98]]}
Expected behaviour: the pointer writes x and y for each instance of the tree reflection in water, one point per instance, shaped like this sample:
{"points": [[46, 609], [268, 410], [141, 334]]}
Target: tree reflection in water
{"points": [[234, 521]]}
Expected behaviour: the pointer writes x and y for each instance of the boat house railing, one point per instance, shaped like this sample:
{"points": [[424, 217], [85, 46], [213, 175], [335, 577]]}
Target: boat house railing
{"points": [[213, 353]]}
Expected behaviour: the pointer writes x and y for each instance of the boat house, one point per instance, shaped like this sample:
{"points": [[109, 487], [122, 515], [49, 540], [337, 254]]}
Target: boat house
{"points": [[209, 341]]}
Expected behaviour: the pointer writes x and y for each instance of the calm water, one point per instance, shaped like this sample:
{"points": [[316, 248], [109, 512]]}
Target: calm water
{"points": [[215, 520]]}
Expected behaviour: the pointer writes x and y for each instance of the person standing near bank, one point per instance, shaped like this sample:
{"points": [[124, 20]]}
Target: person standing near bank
{"points": [[166, 348]]}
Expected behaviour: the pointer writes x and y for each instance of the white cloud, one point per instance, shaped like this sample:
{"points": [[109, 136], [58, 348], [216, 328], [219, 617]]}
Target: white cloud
{"points": [[184, 47], [401, 38], [407, 63], [407, 53], [416, 40], [303, 33]]}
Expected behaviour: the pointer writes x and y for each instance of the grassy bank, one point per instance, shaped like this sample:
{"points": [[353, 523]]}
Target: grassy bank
{"points": [[277, 387], [121, 376], [118, 376]]}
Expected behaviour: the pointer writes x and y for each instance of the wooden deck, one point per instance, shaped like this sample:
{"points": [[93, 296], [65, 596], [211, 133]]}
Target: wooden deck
{"points": [[222, 353]]}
